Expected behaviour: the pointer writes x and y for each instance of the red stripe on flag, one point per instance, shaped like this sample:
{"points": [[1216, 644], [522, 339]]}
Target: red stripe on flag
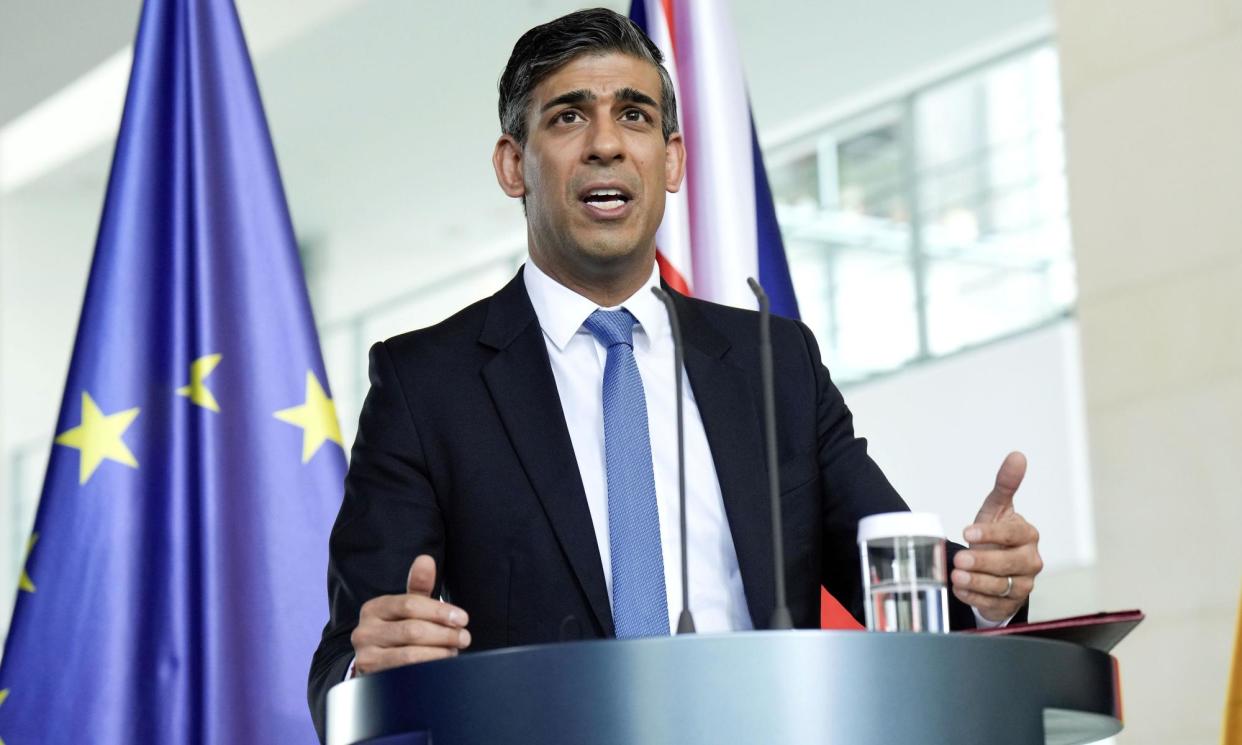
{"points": [[671, 276], [672, 29], [833, 615]]}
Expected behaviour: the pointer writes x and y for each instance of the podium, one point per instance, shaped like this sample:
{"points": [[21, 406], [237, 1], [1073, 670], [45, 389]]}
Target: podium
{"points": [[755, 687]]}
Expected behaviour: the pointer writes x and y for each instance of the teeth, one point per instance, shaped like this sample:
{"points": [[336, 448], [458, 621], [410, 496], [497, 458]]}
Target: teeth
{"points": [[605, 192], [611, 204]]}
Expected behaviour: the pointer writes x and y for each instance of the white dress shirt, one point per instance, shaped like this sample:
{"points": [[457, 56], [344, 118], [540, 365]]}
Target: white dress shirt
{"points": [[716, 595]]}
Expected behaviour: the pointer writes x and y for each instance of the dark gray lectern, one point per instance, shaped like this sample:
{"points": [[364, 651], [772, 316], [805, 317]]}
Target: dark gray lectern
{"points": [[757, 687]]}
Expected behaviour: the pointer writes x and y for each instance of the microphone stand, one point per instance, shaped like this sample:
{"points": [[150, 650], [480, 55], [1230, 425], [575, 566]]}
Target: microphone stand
{"points": [[780, 614]]}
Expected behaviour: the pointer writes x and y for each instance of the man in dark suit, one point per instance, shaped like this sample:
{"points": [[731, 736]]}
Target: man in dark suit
{"points": [[517, 453]]}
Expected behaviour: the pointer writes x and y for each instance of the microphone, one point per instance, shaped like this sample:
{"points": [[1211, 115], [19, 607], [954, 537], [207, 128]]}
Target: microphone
{"points": [[685, 622], [780, 614]]}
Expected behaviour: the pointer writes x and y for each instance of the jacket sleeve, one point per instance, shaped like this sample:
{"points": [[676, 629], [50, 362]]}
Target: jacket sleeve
{"points": [[389, 516], [854, 487]]}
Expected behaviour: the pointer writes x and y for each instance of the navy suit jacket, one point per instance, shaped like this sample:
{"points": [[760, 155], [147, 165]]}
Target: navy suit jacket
{"points": [[463, 453]]}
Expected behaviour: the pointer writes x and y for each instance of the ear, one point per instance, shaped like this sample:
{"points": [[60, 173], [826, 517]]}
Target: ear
{"points": [[507, 160], [674, 162]]}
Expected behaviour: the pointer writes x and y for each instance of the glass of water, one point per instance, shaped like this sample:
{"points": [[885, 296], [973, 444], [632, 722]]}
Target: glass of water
{"points": [[904, 572]]}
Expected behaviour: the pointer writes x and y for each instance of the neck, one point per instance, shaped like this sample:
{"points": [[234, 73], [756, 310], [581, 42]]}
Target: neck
{"points": [[608, 288]]}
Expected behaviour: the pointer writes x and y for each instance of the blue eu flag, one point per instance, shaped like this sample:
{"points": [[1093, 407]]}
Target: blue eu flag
{"points": [[173, 586]]}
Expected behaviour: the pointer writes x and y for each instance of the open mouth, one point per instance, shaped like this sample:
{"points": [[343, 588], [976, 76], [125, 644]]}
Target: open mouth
{"points": [[606, 199]]}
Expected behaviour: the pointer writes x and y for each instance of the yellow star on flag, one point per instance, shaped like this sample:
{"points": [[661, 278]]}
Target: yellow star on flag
{"points": [[316, 417], [24, 582], [3, 695], [197, 390], [98, 438]]}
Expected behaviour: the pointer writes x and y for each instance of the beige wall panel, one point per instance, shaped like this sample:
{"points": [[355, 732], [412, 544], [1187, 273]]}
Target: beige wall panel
{"points": [[1139, 32], [1159, 150], [1164, 680], [1233, 11], [1154, 129], [1165, 478], [1162, 337]]}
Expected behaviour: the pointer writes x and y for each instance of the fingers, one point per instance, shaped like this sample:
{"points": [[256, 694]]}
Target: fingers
{"points": [[403, 607], [999, 501], [984, 591], [1004, 550], [422, 577], [410, 633], [395, 630], [993, 586], [1010, 532], [1001, 562], [981, 576], [989, 606]]}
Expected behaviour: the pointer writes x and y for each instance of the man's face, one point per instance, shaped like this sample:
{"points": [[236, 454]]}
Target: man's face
{"points": [[595, 167]]}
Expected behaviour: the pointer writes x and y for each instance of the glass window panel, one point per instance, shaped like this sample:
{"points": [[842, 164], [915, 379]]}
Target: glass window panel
{"points": [[948, 126], [849, 253], [870, 174], [863, 307], [993, 236], [796, 184], [994, 219]]}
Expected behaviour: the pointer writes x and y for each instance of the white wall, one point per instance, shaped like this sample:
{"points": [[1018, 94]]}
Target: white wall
{"points": [[46, 245]]}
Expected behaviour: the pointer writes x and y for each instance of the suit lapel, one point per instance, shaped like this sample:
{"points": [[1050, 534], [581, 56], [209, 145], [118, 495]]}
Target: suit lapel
{"points": [[520, 381], [731, 422]]}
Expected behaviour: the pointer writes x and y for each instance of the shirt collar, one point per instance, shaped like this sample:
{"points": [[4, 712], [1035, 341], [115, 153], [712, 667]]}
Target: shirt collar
{"points": [[561, 311]]}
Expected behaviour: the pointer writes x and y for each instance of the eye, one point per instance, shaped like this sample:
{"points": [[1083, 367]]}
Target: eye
{"points": [[636, 115], [569, 116]]}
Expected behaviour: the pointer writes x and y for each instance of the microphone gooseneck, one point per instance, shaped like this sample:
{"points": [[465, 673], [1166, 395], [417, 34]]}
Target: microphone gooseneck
{"points": [[685, 622], [780, 614]]}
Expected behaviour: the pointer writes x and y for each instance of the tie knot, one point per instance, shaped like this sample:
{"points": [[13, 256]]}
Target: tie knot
{"points": [[612, 327]]}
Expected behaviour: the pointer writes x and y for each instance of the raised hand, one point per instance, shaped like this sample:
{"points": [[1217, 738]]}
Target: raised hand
{"points": [[997, 574], [395, 630]]}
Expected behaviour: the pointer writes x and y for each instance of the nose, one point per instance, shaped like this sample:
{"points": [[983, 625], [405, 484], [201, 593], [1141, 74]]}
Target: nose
{"points": [[604, 145]]}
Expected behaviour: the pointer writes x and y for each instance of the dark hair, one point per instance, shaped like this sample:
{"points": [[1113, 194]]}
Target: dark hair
{"points": [[545, 49]]}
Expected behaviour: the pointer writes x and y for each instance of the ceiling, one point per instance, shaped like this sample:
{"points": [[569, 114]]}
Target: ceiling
{"points": [[46, 45]]}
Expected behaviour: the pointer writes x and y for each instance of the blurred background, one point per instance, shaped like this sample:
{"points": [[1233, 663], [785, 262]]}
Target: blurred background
{"points": [[1011, 225]]}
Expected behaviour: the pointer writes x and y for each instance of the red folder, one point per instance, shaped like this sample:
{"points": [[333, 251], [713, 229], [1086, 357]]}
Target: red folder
{"points": [[1099, 631]]}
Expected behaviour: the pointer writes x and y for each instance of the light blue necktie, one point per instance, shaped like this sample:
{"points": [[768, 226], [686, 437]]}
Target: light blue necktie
{"points": [[639, 599]]}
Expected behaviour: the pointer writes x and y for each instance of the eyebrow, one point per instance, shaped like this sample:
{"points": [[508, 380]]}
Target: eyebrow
{"points": [[582, 95], [633, 95], [572, 98]]}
